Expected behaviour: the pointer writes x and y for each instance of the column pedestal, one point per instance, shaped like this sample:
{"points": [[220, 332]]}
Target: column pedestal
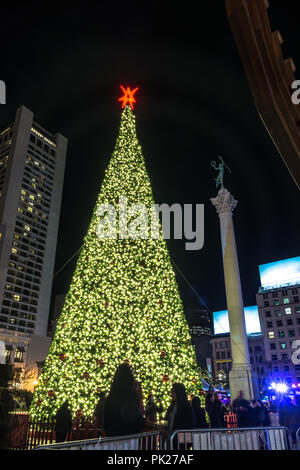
{"points": [[243, 377]]}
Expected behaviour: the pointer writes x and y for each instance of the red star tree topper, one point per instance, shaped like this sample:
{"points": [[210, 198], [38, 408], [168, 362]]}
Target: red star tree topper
{"points": [[128, 96]]}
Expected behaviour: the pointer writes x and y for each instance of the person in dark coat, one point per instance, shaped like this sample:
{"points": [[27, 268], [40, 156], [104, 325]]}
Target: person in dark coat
{"points": [[288, 416], [122, 410], [262, 414], [169, 410], [215, 411], [182, 415], [209, 404], [219, 410], [199, 413], [152, 409], [99, 410], [241, 407], [63, 422]]}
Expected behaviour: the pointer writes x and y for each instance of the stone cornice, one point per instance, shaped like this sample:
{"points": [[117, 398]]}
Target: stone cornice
{"points": [[270, 77]]}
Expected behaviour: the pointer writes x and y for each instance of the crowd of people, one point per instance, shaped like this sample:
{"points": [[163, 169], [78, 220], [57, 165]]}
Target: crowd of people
{"points": [[121, 412]]}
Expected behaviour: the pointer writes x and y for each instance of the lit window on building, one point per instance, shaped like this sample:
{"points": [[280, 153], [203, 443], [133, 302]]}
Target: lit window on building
{"points": [[19, 354], [271, 334], [8, 350], [288, 311], [286, 300]]}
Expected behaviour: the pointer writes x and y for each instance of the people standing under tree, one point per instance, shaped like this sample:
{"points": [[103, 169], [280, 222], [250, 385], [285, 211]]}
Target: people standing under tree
{"points": [[99, 410], [181, 416], [199, 413], [63, 422], [122, 410], [152, 409]]}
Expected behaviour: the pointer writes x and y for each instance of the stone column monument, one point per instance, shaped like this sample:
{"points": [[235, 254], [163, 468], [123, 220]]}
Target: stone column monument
{"points": [[241, 376]]}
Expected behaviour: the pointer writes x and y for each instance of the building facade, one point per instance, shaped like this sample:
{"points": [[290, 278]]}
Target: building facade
{"points": [[222, 358], [201, 330], [32, 164], [279, 312]]}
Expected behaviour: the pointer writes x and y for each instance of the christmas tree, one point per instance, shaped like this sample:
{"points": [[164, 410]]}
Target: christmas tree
{"points": [[123, 303]]}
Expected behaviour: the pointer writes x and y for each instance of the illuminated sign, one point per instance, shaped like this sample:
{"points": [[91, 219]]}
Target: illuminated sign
{"points": [[221, 321], [280, 273]]}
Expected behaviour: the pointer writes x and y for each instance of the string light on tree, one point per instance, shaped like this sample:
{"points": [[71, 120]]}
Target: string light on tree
{"points": [[123, 303]]}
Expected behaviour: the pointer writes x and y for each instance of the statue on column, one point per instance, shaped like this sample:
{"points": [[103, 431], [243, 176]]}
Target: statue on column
{"points": [[220, 168]]}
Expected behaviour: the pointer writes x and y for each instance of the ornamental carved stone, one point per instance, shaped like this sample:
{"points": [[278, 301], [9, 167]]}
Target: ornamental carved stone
{"points": [[224, 202]]}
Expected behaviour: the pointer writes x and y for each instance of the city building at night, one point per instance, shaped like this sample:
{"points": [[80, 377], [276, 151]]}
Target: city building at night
{"points": [[222, 359], [278, 302], [221, 344], [201, 330], [32, 164]]}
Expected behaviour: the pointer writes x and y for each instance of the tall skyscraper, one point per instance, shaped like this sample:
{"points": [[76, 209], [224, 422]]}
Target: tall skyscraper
{"points": [[201, 329], [32, 164], [278, 303]]}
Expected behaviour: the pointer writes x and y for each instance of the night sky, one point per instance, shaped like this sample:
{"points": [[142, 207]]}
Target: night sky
{"points": [[66, 63]]}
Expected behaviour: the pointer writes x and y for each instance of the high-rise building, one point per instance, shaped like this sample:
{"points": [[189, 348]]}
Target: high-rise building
{"points": [[201, 330], [278, 303], [32, 164], [222, 355]]}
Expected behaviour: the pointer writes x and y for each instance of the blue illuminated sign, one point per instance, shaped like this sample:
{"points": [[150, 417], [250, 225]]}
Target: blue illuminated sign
{"points": [[280, 273], [221, 321]]}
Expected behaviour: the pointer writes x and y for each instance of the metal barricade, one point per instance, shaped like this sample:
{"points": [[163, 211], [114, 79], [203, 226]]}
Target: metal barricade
{"points": [[258, 438], [143, 441]]}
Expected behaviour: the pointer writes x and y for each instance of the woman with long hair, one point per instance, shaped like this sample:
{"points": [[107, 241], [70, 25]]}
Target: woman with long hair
{"points": [[122, 411], [181, 416]]}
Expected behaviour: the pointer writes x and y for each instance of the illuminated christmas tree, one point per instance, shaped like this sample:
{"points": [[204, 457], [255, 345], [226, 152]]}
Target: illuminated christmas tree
{"points": [[123, 303]]}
